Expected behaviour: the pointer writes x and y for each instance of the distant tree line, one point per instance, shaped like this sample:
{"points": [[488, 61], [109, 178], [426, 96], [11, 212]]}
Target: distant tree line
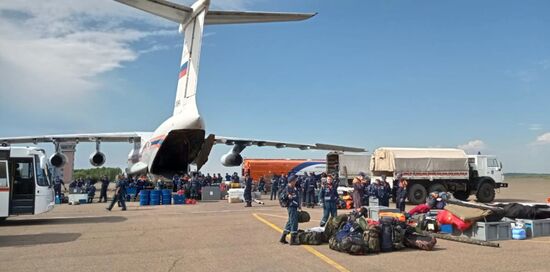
{"points": [[97, 173]]}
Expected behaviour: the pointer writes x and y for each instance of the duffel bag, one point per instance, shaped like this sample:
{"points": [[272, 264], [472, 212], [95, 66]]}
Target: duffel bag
{"points": [[424, 242], [303, 217]]}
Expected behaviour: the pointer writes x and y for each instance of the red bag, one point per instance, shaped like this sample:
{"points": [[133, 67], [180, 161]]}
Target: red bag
{"points": [[422, 208], [445, 217]]}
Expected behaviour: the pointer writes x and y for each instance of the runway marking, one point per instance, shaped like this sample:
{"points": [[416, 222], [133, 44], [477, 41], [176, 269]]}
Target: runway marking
{"points": [[228, 211], [306, 247], [285, 217]]}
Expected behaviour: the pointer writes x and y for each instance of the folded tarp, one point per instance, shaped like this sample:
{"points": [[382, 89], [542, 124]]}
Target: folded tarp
{"points": [[467, 213]]}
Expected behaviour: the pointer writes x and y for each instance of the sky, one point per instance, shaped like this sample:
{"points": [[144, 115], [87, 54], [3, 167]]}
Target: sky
{"points": [[367, 73]]}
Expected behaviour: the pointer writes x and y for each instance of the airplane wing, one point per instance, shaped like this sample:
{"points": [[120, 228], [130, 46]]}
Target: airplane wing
{"points": [[181, 14], [277, 144], [85, 137], [215, 17]]}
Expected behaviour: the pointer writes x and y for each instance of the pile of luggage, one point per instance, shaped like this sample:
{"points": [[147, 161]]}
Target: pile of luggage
{"points": [[356, 234]]}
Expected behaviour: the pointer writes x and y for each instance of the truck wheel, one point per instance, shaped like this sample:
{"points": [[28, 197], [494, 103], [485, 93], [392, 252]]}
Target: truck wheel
{"points": [[485, 193], [438, 187], [461, 195], [417, 194]]}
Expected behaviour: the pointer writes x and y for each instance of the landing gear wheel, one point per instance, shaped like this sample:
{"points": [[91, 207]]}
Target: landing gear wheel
{"points": [[461, 195], [417, 194], [485, 193], [438, 187]]}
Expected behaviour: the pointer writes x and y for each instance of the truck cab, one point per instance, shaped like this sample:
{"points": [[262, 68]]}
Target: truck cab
{"points": [[25, 186], [488, 166]]}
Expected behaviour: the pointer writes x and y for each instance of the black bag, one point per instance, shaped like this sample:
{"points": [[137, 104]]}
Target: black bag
{"points": [[303, 217], [386, 234]]}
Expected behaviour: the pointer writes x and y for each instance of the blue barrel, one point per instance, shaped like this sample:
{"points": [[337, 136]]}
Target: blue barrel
{"points": [[519, 234], [144, 197], [154, 197], [166, 197], [179, 199]]}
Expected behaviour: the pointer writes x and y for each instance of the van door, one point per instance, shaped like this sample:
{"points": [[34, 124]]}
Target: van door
{"points": [[44, 193], [22, 185], [4, 190]]}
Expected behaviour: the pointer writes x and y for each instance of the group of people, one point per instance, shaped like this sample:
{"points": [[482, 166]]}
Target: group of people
{"points": [[306, 184], [380, 189], [291, 196], [81, 185]]}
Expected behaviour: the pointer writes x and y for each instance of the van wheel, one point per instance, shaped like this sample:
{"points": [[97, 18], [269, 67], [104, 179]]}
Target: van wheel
{"points": [[2, 219], [461, 195], [438, 187], [485, 193], [417, 194]]}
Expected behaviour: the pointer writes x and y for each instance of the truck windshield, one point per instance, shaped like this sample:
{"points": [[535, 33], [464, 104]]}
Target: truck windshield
{"points": [[492, 162], [41, 177]]}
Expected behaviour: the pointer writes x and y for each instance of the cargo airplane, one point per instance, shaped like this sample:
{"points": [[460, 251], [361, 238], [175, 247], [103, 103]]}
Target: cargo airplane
{"points": [[180, 140]]}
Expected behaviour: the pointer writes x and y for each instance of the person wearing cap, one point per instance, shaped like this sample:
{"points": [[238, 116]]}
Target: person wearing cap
{"points": [[329, 197], [395, 185], [291, 195], [366, 184], [358, 190]]}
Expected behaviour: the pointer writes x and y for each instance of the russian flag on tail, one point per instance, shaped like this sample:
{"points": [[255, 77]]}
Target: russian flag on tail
{"points": [[183, 70]]}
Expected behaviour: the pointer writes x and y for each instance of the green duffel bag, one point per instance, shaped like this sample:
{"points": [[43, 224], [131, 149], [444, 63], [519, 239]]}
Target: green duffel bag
{"points": [[311, 238], [303, 217]]}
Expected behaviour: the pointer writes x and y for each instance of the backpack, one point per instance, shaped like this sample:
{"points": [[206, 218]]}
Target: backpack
{"points": [[283, 199], [371, 237], [334, 224]]}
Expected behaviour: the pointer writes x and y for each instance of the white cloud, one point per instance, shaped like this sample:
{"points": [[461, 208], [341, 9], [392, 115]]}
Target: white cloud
{"points": [[474, 146], [60, 47], [535, 126], [543, 139]]}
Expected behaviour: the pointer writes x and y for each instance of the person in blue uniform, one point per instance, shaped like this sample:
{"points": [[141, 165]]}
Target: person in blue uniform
{"points": [[401, 195], [329, 197], [291, 196], [57, 183], [261, 185], [383, 192], [310, 187], [248, 190], [195, 186], [120, 194], [103, 191], [274, 187]]}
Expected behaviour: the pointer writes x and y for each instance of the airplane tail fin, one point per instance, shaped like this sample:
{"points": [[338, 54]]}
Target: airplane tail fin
{"points": [[192, 20]]}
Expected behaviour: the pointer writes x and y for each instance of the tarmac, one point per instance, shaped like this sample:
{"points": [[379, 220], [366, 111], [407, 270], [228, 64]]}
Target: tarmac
{"points": [[218, 236]]}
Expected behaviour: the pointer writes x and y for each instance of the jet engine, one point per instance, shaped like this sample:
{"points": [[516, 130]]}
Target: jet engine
{"points": [[232, 159], [97, 159], [58, 159]]}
